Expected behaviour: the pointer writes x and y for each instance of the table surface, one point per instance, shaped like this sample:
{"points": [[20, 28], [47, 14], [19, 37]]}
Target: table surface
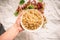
{"points": [[52, 30]]}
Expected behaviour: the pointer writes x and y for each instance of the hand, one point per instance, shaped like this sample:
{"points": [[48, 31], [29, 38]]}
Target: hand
{"points": [[18, 23]]}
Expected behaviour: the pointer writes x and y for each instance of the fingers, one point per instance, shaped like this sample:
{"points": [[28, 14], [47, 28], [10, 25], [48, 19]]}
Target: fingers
{"points": [[18, 26], [19, 18], [18, 21], [21, 29], [20, 13]]}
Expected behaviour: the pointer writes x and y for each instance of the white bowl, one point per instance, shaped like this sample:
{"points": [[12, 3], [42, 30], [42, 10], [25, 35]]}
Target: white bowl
{"points": [[34, 29]]}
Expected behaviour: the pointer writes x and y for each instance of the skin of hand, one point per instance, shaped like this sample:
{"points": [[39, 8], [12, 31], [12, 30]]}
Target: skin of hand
{"points": [[11, 33], [18, 23]]}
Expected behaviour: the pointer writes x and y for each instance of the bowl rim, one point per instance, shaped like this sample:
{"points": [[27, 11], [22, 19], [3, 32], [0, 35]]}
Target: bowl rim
{"points": [[35, 29]]}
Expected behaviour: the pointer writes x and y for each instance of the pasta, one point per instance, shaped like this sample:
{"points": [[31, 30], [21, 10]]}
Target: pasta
{"points": [[31, 19]]}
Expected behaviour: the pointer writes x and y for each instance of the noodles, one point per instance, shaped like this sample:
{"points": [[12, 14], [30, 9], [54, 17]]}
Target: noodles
{"points": [[31, 19]]}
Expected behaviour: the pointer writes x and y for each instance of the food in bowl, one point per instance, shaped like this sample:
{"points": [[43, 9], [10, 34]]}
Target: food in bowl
{"points": [[32, 19]]}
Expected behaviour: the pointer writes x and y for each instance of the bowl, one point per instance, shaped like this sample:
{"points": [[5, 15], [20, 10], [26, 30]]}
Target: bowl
{"points": [[24, 26]]}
